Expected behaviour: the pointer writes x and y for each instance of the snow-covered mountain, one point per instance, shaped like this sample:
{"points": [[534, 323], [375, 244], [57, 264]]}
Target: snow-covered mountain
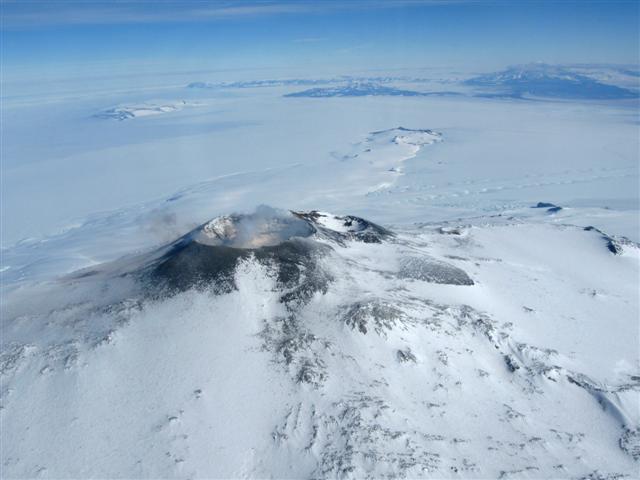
{"points": [[539, 80], [365, 89], [319, 239], [355, 89], [313, 345], [434, 325], [542, 80], [126, 112], [342, 79]]}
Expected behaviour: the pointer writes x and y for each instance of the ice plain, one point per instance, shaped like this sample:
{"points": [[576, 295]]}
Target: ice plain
{"points": [[530, 371]]}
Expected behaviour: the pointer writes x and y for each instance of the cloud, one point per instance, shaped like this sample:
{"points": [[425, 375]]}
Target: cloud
{"points": [[35, 13], [79, 12]]}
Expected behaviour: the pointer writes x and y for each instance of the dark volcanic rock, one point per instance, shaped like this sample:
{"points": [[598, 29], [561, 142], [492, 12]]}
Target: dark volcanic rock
{"points": [[434, 271], [207, 256], [551, 208], [511, 363], [198, 265], [614, 245], [288, 242], [405, 356], [630, 442], [375, 314], [291, 245]]}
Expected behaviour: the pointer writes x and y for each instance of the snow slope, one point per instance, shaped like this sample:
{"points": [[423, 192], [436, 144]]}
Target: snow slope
{"points": [[372, 360]]}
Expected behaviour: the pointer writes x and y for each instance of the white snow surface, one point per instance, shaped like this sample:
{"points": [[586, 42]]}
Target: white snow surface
{"points": [[532, 371], [388, 368]]}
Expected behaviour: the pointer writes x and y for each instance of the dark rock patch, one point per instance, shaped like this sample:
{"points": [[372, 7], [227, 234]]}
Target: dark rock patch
{"points": [[433, 271], [511, 363], [613, 244], [373, 314], [551, 208], [405, 356], [630, 442]]}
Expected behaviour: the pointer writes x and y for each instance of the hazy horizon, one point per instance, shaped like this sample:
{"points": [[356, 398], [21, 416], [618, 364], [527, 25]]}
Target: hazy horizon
{"points": [[66, 38]]}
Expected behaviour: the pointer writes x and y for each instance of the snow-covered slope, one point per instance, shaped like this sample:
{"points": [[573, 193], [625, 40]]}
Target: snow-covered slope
{"points": [[310, 345]]}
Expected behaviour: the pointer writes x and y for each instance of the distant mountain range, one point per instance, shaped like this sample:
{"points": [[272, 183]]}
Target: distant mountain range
{"points": [[364, 89], [537, 80], [542, 80], [342, 79]]}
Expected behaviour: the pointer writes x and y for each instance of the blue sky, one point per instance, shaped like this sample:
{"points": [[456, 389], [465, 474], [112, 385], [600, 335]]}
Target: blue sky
{"points": [[305, 34]]}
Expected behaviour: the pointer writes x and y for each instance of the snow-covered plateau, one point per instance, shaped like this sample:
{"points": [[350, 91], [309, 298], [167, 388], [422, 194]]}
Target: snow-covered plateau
{"points": [[441, 287]]}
